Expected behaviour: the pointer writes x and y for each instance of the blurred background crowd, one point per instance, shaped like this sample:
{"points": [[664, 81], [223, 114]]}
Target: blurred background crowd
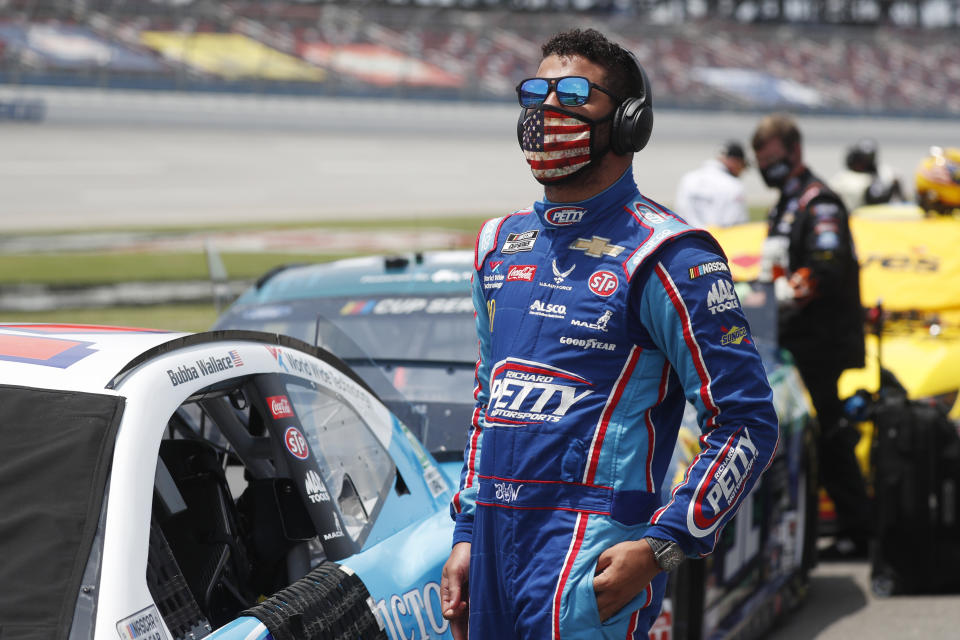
{"points": [[879, 57]]}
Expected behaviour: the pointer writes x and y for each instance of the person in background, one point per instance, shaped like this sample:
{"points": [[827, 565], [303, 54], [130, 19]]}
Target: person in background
{"points": [[599, 315], [865, 181], [713, 195], [809, 256]]}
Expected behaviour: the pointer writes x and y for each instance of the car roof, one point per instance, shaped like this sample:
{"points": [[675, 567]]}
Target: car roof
{"points": [[433, 272], [71, 356]]}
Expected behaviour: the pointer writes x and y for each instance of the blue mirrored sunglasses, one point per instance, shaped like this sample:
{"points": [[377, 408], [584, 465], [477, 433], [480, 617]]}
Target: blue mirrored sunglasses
{"points": [[572, 91]]}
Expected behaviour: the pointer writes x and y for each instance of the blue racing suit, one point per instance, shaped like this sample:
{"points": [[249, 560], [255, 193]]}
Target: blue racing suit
{"points": [[597, 321]]}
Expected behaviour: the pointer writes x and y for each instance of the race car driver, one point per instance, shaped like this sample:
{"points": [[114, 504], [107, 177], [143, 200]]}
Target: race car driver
{"points": [[599, 315]]}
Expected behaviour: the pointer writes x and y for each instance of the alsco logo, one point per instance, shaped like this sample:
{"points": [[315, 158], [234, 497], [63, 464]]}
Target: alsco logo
{"points": [[564, 216], [521, 272], [603, 283], [280, 407]]}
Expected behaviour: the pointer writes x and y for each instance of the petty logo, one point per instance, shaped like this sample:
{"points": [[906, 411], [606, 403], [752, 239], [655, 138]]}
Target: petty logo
{"points": [[648, 214], [722, 297], [603, 283], [722, 485], [296, 443], [564, 216], [524, 392]]}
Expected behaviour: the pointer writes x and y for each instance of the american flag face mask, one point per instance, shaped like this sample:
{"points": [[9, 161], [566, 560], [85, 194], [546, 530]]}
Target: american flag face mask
{"points": [[557, 143]]}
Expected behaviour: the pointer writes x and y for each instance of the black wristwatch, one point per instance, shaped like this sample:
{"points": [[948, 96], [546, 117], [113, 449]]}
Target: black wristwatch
{"points": [[668, 553]]}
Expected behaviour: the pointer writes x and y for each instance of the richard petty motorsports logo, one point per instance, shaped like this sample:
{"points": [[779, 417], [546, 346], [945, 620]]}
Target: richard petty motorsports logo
{"points": [[722, 485], [525, 392]]}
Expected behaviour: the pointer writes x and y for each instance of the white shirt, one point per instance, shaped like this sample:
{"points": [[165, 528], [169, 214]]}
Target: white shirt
{"points": [[711, 196]]}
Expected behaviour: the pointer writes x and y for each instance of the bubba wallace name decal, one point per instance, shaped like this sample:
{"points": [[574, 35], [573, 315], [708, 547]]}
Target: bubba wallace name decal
{"points": [[524, 392], [722, 485], [205, 367]]}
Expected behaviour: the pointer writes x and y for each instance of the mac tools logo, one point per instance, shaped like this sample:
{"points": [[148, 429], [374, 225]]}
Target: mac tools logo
{"points": [[722, 297], [564, 216], [525, 392], [722, 485], [603, 283]]}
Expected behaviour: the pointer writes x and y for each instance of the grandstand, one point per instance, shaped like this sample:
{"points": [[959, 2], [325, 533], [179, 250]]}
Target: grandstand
{"points": [[385, 49]]}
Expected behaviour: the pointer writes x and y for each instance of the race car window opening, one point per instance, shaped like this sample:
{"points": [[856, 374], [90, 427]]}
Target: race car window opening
{"points": [[352, 462]]}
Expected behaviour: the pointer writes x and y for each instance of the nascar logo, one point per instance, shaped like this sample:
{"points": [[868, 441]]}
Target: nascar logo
{"points": [[707, 268], [564, 216]]}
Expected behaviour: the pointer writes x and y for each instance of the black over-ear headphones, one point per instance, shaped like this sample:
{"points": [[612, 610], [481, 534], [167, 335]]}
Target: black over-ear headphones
{"points": [[633, 121]]}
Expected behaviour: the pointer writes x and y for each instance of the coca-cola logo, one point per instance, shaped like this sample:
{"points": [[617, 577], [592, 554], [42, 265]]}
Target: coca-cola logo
{"points": [[280, 407], [603, 283], [296, 443], [522, 272]]}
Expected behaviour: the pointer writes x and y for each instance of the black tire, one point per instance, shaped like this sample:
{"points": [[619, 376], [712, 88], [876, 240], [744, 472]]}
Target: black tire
{"points": [[328, 603]]}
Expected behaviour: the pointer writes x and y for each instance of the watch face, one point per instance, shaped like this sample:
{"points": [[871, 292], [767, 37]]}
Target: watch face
{"points": [[670, 557]]}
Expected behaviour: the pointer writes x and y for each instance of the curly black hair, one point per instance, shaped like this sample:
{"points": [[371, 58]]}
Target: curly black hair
{"points": [[621, 77]]}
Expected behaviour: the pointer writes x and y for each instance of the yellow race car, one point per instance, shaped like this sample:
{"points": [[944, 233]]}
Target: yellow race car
{"points": [[910, 287]]}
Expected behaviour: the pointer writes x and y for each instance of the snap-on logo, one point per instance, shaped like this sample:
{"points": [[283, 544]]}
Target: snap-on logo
{"points": [[603, 283], [521, 272], [564, 216], [296, 443]]}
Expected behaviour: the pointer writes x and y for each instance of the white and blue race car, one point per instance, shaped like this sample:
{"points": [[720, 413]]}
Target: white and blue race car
{"points": [[405, 324], [231, 484]]}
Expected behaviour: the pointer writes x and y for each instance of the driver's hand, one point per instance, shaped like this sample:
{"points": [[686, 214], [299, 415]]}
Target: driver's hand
{"points": [[623, 571], [455, 590]]}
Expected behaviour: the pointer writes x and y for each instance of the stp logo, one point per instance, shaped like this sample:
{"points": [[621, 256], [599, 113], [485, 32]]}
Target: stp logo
{"points": [[280, 407], [522, 272], [603, 283], [296, 443]]}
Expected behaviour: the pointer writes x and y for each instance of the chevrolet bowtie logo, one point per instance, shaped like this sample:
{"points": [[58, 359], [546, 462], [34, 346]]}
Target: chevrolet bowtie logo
{"points": [[597, 247]]}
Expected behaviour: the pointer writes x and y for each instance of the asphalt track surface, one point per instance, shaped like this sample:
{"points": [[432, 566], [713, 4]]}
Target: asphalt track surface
{"points": [[140, 159], [146, 160]]}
